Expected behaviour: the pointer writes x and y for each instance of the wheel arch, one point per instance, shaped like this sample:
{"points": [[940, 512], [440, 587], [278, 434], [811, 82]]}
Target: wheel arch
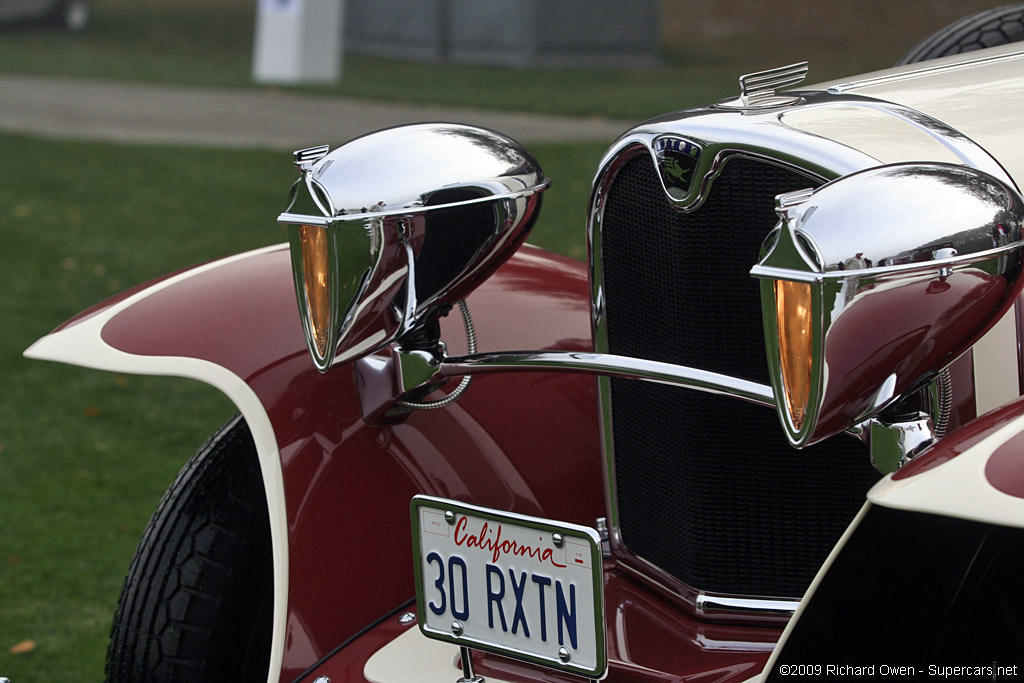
{"points": [[80, 342], [233, 324]]}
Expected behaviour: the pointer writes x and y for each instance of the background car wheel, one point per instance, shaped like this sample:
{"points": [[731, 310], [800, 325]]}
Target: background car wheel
{"points": [[72, 14], [988, 28], [198, 600]]}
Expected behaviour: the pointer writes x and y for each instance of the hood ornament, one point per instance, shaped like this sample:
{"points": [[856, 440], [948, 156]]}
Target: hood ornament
{"points": [[758, 90], [305, 158]]}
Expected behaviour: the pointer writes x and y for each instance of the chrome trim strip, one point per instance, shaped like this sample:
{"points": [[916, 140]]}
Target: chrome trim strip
{"points": [[608, 365], [714, 607], [776, 273], [718, 606], [707, 642], [615, 159], [914, 73], [306, 219]]}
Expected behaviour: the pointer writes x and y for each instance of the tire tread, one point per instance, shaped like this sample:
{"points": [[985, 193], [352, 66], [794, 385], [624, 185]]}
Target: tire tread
{"points": [[189, 587], [988, 28]]}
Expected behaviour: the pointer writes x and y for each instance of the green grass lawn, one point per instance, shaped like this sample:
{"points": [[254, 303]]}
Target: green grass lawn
{"points": [[85, 455], [211, 44]]}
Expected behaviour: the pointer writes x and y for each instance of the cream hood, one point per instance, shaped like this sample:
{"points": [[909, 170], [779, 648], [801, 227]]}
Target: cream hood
{"points": [[979, 94]]}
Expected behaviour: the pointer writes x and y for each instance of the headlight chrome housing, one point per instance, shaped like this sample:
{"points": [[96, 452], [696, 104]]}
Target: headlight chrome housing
{"points": [[391, 229], [874, 282]]}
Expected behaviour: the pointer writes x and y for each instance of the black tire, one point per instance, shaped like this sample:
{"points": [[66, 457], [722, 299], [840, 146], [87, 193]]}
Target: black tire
{"points": [[987, 28], [198, 600]]}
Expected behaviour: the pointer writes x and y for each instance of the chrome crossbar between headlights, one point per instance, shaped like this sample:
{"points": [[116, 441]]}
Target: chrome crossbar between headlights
{"points": [[611, 366]]}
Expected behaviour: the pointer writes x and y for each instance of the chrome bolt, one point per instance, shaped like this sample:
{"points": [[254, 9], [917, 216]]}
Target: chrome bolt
{"points": [[406, 618], [948, 252], [563, 654], [322, 679], [457, 628], [557, 540], [449, 516]]}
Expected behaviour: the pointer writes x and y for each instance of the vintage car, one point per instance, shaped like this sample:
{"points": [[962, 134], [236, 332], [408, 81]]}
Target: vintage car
{"points": [[664, 455]]}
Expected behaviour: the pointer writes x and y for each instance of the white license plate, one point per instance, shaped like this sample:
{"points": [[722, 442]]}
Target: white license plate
{"points": [[519, 586]]}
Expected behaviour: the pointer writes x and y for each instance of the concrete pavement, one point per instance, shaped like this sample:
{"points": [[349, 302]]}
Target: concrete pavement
{"points": [[145, 113]]}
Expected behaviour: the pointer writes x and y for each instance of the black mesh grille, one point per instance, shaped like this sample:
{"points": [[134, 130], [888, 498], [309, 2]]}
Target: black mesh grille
{"points": [[708, 488]]}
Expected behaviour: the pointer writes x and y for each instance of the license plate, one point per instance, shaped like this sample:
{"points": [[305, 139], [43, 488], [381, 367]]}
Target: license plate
{"points": [[518, 586]]}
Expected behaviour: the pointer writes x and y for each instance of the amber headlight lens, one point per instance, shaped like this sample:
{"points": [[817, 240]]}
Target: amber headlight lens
{"points": [[316, 282], [793, 315]]}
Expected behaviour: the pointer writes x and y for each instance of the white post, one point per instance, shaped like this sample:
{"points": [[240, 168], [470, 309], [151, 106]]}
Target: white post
{"points": [[298, 41]]}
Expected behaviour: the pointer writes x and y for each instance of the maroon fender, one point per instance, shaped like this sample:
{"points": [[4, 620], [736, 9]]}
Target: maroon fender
{"points": [[521, 442]]}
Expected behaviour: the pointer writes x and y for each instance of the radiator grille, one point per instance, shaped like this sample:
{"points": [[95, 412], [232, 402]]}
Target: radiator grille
{"points": [[708, 488]]}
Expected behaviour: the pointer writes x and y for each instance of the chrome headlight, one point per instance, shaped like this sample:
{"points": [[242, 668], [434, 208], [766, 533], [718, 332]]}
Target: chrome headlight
{"points": [[874, 282], [391, 229]]}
